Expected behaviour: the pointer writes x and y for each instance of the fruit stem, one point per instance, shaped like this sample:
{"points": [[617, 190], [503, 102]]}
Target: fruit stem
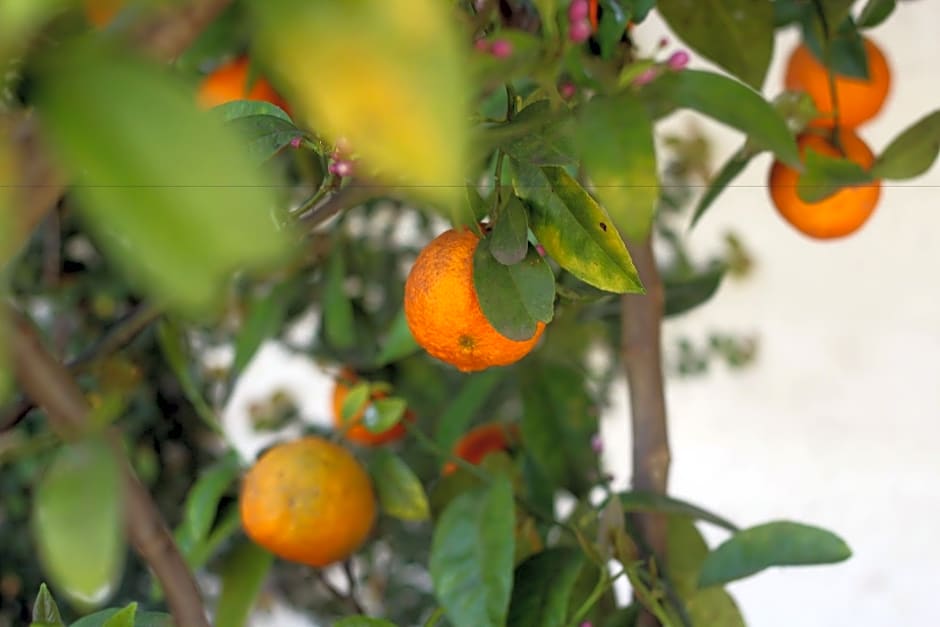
{"points": [[830, 76], [641, 349]]}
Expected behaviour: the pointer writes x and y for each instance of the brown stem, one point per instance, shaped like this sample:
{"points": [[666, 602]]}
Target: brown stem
{"points": [[642, 358], [51, 385]]}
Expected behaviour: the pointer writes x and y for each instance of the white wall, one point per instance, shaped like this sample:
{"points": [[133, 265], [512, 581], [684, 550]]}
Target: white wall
{"points": [[838, 422]]}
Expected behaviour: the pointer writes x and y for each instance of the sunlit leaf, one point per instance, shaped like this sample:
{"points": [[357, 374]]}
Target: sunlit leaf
{"points": [[399, 342], [45, 610], [141, 619], [202, 502], [912, 152], [124, 617], [400, 492], [362, 621], [243, 574], [338, 318], [384, 413], [237, 109]]}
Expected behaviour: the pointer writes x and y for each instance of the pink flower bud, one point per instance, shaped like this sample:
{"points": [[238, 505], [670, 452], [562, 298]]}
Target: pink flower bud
{"points": [[577, 10], [341, 168], [295, 143], [647, 76], [482, 45], [597, 444], [567, 90], [501, 49], [678, 60], [540, 250], [579, 31]]}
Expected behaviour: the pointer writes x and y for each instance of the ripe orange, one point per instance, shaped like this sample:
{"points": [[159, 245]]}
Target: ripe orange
{"points": [[230, 82], [308, 501], [100, 12], [358, 433], [859, 100], [480, 441], [443, 311], [835, 216]]}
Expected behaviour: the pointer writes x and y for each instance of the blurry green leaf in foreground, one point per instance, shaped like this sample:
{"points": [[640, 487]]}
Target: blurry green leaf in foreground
{"points": [[387, 75], [78, 522], [168, 190]]}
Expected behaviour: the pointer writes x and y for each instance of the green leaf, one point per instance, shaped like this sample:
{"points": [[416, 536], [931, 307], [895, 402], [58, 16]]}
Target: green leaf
{"points": [[639, 9], [237, 109], [175, 200], [470, 398], [912, 152], [615, 143], [264, 320], [399, 342], [557, 408], [400, 491], [243, 575], [576, 231], [688, 292], [734, 104], [124, 617], [781, 543], [825, 175], [478, 208], [612, 25], [538, 148], [847, 53], [714, 607], [542, 587], [472, 554], [266, 135], [514, 298], [202, 502], [355, 400], [363, 621], [875, 12], [509, 241], [738, 35], [45, 610], [78, 521], [174, 348], [728, 172], [636, 501], [384, 413], [141, 619], [338, 319]]}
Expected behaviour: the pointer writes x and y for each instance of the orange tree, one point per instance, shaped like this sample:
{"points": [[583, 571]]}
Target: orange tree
{"points": [[466, 194]]}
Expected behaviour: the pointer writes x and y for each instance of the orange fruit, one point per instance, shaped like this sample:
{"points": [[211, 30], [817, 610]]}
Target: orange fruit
{"points": [[230, 82], [859, 100], [308, 501], [358, 432], [443, 311], [480, 441], [100, 12], [840, 214]]}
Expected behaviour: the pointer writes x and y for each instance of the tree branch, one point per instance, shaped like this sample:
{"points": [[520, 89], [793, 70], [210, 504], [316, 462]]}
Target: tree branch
{"points": [[54, 389], [642, 358]]}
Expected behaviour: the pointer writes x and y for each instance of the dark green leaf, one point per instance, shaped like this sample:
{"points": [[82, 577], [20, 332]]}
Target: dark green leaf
{"points": [[141, 619], [509, 241], [45, 610], [399, 342], [781, 543], [400, 491], [78, 519], [875, 12], [847, 54], [542, 586], [577, 232], [174, 348], [912, 152], [636, 501], [687, 292], [478, 206], [825, 175], [338, 322], [266, 135], [363, 621], [732, 103], [615, 143], [384, 413], [538, 149], [202, 502], [472, 554], [475, 391], [789, 11], [124, 617], [557, 408], [243, 574], [612, 25], [175, 200], [738, 35], [264, 320], [236, 109], [728, 172], [514, 298]]}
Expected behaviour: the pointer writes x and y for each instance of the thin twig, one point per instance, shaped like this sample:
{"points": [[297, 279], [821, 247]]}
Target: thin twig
{"points": [[642, 358], [51, 385], [344, 598], [830, 73], [345, 198]]}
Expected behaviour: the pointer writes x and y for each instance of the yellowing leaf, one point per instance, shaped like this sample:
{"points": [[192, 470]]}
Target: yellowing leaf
{"points": [[387, 75]]}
